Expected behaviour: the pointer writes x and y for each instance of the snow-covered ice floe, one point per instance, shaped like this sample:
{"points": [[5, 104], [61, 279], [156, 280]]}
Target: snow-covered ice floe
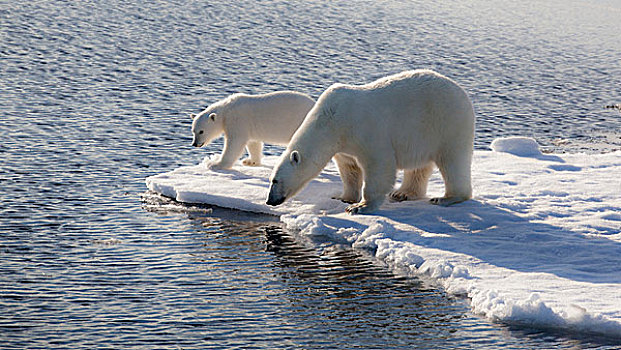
{"points": [[539, 244]]}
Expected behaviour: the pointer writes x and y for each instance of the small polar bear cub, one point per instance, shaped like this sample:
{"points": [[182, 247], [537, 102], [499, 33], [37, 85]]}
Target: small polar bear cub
{"points": [[248, 121], [414, 121]]}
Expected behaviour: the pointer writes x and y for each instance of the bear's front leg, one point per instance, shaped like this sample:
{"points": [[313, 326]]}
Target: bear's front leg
{"points": [[351, 176], [379, 178], [233, 149]]}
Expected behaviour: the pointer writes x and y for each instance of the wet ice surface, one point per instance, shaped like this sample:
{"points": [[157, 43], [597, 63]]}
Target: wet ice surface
{"points": [[94, 98]]}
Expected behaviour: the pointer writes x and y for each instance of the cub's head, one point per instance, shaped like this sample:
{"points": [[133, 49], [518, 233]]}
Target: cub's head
{"points": [[206, 126]]}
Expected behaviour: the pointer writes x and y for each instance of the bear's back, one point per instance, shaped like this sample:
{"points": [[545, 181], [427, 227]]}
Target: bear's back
{"points": [[273, 117]]}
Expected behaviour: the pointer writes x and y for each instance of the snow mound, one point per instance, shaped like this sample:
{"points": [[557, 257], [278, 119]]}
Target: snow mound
{"points": [[540, 244], [519, 146]]}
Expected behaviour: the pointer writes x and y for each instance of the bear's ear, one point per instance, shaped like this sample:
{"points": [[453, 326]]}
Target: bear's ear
{"points": [[212, 116], [294, 158], [192, 115]]}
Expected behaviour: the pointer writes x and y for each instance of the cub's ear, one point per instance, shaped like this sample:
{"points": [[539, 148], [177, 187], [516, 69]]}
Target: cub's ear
{"points": [[212, 116], [192, 115], [294, 158]]}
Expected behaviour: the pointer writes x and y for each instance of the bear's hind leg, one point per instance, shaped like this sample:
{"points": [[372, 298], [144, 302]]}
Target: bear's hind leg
{"points": [[414, 185], [351, 175], [455, 170], [255, 153]]}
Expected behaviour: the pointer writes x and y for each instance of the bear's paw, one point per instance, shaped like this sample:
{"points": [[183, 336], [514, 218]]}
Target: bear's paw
{"points": [[447, 201], [359, 208], [216, 166], [250, 162], [398, 196]]}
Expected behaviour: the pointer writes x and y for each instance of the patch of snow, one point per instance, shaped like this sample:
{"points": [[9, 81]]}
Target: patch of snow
{"points": [[519, 146]]}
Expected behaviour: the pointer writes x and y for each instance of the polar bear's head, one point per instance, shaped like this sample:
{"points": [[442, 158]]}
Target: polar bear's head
{"points": [[290, 175], [206, 126], [297, 166]]}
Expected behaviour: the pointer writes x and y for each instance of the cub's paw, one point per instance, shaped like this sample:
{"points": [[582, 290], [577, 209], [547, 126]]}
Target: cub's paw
{"points": [[216, 166], [250, 162]]}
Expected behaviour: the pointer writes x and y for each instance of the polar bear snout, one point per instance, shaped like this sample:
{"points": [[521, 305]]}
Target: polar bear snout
{"points": [[195, 143], [273, 201], [275, 197]]}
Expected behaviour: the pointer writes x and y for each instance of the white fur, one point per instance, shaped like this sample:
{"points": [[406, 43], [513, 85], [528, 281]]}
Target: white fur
{"points": [[248, 121], [411, 121]]}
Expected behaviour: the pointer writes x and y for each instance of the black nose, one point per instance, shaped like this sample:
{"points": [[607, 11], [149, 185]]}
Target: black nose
{"points": [[274, 202]]}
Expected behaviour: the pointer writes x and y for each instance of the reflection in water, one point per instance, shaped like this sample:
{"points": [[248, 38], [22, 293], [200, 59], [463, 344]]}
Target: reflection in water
{"points": [[337, 291]]}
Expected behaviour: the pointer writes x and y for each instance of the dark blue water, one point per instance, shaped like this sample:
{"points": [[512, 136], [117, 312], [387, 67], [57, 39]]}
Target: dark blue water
{"points": [[95, 96]]}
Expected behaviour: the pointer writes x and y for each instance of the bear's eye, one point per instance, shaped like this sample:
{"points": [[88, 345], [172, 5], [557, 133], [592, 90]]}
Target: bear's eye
{"points": [[200, 132]]}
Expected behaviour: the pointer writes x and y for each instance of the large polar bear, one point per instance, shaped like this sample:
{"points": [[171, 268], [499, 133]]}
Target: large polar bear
{"points": [[410, 121], [248, 121]]}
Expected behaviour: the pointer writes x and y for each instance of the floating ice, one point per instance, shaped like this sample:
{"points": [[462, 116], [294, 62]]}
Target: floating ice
{"points": [[540, 243]]}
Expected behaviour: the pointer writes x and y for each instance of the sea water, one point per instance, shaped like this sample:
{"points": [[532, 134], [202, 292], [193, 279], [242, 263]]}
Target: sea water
{"points": [[96, 95]]}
